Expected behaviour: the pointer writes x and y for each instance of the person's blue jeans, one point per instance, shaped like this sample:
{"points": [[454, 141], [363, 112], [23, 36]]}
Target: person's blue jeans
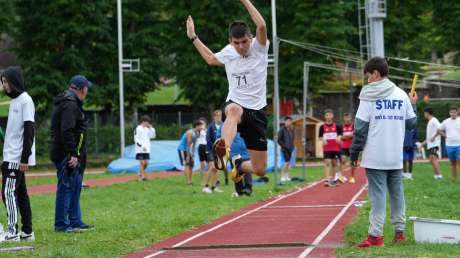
{"points": [[68, 212], [379, 182]]}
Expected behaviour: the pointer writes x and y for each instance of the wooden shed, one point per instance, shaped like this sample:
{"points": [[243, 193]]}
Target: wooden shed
{"points": [[313, 147]]}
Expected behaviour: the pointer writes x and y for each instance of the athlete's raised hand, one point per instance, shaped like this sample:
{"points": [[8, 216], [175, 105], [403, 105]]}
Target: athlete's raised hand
{"points": [[190, 28]]}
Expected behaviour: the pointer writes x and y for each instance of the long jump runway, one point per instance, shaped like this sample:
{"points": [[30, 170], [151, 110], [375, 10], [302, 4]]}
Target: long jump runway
{"points": [[308, 222]]}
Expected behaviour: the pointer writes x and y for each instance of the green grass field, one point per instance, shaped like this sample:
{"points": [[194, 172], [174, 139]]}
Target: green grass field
{"points": [[47, 180], [425, 197], [131, 216]]}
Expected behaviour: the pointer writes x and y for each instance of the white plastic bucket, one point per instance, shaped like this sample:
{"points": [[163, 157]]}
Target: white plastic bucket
{"points": [[436, 231]]}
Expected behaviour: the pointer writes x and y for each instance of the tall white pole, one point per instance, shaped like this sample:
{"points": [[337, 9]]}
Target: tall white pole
{"points": [[276, 108], [306, 71], [120, 77]]}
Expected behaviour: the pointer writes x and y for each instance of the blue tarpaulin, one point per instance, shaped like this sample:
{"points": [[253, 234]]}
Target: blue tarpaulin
{"points": [[164, 156]]}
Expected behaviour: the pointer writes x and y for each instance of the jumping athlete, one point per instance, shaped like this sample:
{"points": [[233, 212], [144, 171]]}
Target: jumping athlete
{"points": [[245, 60], [330, 135]]}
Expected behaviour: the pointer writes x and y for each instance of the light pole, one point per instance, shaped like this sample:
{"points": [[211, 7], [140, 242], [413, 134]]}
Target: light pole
{"points": [[120, 78], [276, 107]]}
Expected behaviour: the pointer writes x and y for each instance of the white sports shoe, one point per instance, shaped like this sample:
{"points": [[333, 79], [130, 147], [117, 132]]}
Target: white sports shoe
{"points": [[207, 190], [8, 237], [27, 237], [217, 190], [409, 176], [282, 179]]}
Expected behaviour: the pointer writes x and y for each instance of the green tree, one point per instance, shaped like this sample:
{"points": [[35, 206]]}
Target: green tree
{"points": [[446, 21], [57, 39]]}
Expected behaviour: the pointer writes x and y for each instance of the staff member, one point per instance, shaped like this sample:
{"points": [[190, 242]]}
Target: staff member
{"points": [[68, 152]]}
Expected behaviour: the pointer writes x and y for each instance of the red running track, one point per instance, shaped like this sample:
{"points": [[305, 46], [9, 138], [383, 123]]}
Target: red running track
{"points": [[308, 222], [43, 189]]}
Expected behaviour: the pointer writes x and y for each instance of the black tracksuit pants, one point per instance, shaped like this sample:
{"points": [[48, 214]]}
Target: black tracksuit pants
{"points": [[14, 195]]}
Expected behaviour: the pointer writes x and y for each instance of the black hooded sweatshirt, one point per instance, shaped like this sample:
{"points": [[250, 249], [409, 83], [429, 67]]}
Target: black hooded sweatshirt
{"points": [[13, 76], [68, 128]]}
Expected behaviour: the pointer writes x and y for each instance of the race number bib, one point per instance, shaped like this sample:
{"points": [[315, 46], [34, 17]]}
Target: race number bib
{"points": [[242, 80]]}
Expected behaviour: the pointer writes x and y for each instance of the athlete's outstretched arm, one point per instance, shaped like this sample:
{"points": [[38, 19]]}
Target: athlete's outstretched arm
{"points": [[204, 51], [261, 33]]}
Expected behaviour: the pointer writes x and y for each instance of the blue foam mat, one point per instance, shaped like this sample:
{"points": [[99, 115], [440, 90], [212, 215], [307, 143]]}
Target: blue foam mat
{"points": [[164, 157]]}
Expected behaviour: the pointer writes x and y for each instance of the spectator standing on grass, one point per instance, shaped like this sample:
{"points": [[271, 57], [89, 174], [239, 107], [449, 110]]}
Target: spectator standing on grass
{"points": [[384, 114], [410, 138], [212, 133], [68, 152], [286, 141], [433, 141], [450, 129], [18, 155], [186, 149], [142, 135]]}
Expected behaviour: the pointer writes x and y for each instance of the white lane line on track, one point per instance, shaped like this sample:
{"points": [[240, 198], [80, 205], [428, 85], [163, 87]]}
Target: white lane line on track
{"points": [[331, 225], [234, 219], [306, 206]]}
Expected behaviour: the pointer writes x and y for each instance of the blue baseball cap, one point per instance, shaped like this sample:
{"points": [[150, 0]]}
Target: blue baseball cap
{"points": [[80, 81]]}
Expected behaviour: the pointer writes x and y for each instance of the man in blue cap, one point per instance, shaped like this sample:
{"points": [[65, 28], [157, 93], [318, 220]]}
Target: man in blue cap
{"points": [[68, 152]]}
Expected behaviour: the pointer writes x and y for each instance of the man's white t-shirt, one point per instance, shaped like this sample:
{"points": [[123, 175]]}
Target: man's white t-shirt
{"points": [[201, 139], [452, 129], [142, 137], [387, 125], [431, 129], [22, 109], [247, 76]]}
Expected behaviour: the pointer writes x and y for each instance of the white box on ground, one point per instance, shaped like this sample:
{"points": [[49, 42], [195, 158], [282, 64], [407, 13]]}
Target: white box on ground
{"points": [[438, 231]]}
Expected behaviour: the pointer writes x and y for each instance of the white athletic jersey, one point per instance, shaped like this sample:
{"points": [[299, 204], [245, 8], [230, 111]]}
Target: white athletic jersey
{"points": [[201, 139], [247, 76], [387, 125], [431, 129], [22, 109], [452, 129], [142, 137]]}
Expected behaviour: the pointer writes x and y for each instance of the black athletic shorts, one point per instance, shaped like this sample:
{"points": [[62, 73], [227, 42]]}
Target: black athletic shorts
{"points": [[287, 154], [209, 156], [252, 128], [331, 154], [202, 152], [183, 157], [345, 152], [433, 151], [143, 156]]}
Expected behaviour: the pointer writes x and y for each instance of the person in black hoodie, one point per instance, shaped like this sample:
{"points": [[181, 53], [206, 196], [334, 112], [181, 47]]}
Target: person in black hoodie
{"points": [[18, 155], [68, 152], [286, 141]]}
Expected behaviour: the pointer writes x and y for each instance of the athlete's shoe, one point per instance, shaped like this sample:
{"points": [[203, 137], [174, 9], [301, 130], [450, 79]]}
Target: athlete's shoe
{"points": [[236, 172], [221, 153], [352, 180], [342, 179], [217, 190], [8, 237], [371, 241], [207, 190], [239, 188], [27, 237], [438, 177], [409, 176], [399, 237], [331, 183]]}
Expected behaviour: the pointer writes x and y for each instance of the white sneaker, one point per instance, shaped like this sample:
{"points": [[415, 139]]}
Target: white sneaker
{"points": [[438, 177], [288, 179], [207, 190], [405, 175], [217, 190], [282, 179], [409, 176], [27, 237], [8, 237]]}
